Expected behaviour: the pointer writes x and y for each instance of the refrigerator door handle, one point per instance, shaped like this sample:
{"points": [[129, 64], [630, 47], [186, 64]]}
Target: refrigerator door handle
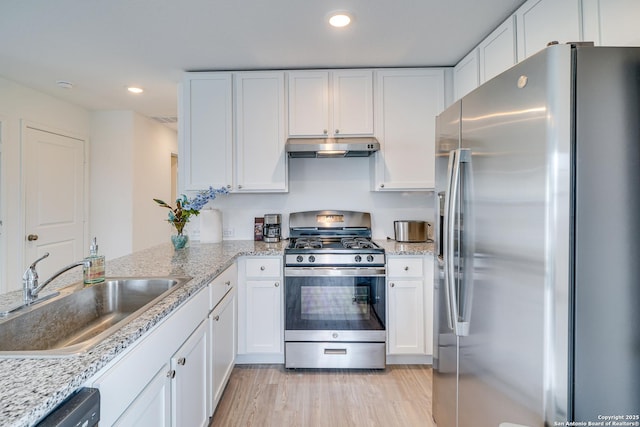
{"points": [[464, 293], [448, 240], [456, 157]]}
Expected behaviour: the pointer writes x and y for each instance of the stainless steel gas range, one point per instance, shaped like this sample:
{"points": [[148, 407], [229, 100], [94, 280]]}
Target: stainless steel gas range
{"points": [[334, 292]]}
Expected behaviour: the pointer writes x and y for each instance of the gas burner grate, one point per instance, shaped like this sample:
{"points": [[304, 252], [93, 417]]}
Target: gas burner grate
{"points": [[307, 243], [357, 243]]}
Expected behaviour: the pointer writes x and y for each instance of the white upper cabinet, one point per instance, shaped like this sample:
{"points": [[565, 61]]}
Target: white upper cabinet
{"points": [[542, 21], [498, 51], [261, 162], [352, 102], [465, 74], [330, 104], [206, 145], [611, 22], [249, 157], [407, 103]]}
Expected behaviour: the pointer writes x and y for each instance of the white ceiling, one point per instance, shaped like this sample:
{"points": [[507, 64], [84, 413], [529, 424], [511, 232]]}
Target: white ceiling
{"points": [[102, 46]]}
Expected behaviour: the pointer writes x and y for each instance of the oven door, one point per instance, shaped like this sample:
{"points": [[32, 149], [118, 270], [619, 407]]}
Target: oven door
{"points": [[335, 304]]}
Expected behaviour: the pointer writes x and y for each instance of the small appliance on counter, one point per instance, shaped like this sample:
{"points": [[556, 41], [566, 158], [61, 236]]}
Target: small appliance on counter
{"points": [[271, 228], [412, 231]]}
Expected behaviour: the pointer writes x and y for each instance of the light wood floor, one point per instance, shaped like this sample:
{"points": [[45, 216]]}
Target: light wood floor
{"points": [[270, 395]]}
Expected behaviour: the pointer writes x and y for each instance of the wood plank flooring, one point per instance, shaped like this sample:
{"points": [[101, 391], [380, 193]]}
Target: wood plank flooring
{"points": [[270, 395]]}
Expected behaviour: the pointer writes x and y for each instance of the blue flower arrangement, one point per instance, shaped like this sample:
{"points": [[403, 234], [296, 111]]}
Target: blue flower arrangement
{"points": [[179, 216]]}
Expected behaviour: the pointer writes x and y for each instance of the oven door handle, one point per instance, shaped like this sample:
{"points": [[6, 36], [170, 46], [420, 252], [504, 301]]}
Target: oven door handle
{"points": [[335, 271]]}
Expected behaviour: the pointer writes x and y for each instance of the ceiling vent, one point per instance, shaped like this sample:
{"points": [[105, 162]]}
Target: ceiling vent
{"points": [[165, 120]]}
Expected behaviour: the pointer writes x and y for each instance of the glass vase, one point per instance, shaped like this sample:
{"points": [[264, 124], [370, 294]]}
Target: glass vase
{"points": [[179, 241]]}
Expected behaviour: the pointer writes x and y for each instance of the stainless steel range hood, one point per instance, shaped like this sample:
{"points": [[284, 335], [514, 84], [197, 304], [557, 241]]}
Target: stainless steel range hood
{"points": [[331, 147]]}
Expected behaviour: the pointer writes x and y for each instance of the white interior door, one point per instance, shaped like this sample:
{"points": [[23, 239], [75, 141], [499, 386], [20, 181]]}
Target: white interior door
{"points": [[54, 183]]}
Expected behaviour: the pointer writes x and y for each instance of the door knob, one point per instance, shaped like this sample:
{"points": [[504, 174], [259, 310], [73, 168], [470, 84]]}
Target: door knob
{"points": [[32, 237]]}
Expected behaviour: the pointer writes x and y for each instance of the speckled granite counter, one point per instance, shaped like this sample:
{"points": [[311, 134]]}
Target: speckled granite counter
{"points": [[31, 387], [392, 247]]}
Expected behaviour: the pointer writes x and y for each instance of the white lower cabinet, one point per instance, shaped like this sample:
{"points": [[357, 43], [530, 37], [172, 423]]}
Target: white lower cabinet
{"points": [[223, 332], [152, 407], [260, 310], [161, 381], [189, 385], [410, 309]]}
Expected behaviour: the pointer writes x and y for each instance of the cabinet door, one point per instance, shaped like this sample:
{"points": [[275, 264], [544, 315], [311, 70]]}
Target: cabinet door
{"points": [[152, 407], [206, 144], [264, 329], [406, 320], [542, 21], [466, 74], [428, 304], [190, 384], [223, 345], [407, 103], [352, 95], [611, 22], [308, 103], [498, 50], [261, 163]]}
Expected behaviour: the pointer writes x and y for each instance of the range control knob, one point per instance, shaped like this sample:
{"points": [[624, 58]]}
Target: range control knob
{"points": [[370, 258], [299, 258], [312, 258], [358, 258]]}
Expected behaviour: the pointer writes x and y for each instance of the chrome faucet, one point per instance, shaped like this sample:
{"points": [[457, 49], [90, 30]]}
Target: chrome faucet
{"points": [[30, 278]]}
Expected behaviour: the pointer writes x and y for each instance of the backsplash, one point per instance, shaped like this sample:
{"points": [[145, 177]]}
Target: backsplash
{"points": [[315, 184]]}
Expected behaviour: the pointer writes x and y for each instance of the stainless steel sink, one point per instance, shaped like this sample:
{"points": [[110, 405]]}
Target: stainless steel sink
{"points": [[80, 317]]}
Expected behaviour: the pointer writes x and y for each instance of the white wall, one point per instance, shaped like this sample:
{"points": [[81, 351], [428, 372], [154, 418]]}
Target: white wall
{"points": [[130, 165], [111, 180], [18, 103], [153, 146], [341, 184]]}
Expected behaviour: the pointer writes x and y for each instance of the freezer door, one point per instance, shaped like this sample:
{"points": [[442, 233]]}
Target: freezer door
{"points": [[445, 348], [511, 127], [607, 250]]}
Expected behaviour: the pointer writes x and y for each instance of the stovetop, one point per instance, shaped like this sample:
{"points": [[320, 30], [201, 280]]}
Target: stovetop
{"points": [[332, 238], [319, 243]]}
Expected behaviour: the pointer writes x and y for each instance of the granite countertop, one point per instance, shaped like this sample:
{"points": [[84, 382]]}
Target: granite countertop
{"points": [[31, 387], [391, 247]]}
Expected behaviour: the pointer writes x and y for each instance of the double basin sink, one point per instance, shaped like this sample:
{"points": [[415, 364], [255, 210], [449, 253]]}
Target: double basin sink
{"points": [[80, 317]]}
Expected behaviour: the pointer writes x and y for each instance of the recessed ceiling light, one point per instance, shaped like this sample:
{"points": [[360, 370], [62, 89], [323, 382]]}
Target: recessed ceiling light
{"points": [[340, 19], [64, 84], [134, 89]]}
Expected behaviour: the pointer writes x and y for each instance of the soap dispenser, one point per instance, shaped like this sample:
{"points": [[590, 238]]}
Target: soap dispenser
{"points": [[94, 267]]}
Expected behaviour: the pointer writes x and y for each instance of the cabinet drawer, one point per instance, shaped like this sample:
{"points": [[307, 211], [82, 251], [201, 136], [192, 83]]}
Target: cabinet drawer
{"points": [[405, 267], [219, 287], [263, 267]]}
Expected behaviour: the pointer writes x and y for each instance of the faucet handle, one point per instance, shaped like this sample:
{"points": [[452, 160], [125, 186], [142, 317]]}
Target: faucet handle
{"points": [[33, 265], [30, 276]]}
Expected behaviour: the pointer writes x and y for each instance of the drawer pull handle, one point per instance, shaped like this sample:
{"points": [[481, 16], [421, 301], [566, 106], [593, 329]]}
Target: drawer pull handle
{"points": [[216, 318], [393, 285], [262, 268], [335, 351], [406, 268], [182, 361], [171, 374], [277, 284], [227, 283]]}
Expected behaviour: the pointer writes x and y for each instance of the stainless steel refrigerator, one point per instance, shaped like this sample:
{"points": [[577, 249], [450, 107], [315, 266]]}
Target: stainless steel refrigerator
{"points": [[537, 282]]}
